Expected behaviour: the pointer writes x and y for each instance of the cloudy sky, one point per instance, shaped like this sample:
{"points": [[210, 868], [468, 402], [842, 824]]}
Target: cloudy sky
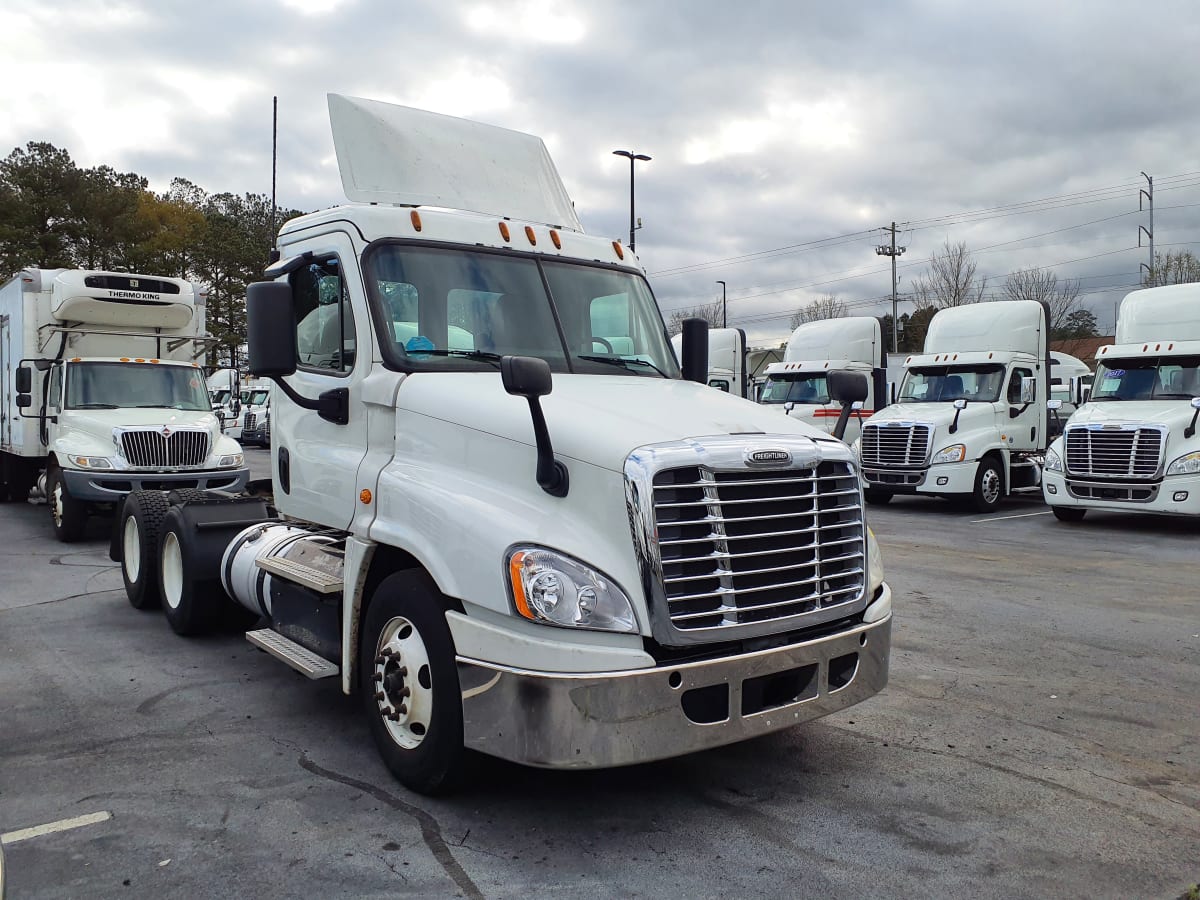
{"points": [[783, 134]]}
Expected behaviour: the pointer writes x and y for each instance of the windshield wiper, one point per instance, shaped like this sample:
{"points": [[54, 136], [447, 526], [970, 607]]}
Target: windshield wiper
{"points": [[1173, 396], [95, 406], [156, 406], [624, 362], [484, 355]]}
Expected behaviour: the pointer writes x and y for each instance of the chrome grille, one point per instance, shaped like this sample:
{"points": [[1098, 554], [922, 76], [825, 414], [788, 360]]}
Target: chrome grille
{"points": [[1114, 451], [746, 547], [150, 448], [248, 425], [895, 444]]}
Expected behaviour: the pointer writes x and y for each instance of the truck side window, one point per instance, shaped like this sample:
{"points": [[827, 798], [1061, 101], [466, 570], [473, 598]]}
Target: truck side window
{"points": [[1014, 385], [54, 398], [325, 337]]}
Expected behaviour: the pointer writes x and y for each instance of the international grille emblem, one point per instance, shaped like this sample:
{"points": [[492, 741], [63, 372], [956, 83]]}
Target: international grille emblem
{"points": [[166, 432]]}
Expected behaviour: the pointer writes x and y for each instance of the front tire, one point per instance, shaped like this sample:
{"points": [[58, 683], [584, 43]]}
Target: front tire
{"points": [[408, 679], [191, 604], [141, 521], [68, 514], [989, 486], [1068, 513]]}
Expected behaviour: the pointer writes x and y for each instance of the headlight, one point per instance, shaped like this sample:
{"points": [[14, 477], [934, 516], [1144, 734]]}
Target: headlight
{"points": [[1053, 462], [874, 564], [951, 454], [553, 588], [1188, 464], [232, 459], [90, 462]]}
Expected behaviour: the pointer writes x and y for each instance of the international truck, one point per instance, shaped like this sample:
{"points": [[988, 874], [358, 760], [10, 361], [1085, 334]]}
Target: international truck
{"points": [[504, 519], [1132, 446], [799, 384], [102, 392], [971, 421]]}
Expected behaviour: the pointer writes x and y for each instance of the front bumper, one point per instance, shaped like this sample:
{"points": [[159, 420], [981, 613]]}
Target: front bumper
{"points": [[604, 719], [1154, 497], [110, 485], [943, 478]]}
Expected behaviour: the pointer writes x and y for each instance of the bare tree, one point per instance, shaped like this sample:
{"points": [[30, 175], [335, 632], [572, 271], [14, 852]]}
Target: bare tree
{"points": [[950, 279], [1043, 285], [828, 307], [710, 312], [1173, 268]]}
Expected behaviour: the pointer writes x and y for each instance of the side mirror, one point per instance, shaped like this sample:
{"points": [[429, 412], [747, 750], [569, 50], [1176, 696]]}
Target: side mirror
{"points": [[526, 376], [1196, 403], [23, 380], [1054, 405], [1075, 390], [695, 350], [1028, 390], [271, 329], [789, 406], [847, 387], [24, 401], [529, 377], [960, 404]]}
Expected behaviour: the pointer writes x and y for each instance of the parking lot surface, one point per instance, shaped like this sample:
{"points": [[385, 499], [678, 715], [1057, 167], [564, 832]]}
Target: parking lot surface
{"points": [[1039, 737]]}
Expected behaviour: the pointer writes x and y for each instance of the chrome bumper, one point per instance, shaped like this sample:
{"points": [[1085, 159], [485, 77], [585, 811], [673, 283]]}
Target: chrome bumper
{"points": [[597, 720], [110, 485]]}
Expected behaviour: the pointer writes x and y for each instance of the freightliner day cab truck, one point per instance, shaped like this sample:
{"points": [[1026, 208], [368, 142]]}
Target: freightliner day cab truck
{"points": [[508, 523], [103, 394], [971, 418], [1132, 446], [728, 361], [799, 384]]}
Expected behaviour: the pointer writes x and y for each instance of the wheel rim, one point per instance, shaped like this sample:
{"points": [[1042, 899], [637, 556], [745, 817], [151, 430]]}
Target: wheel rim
{"points": [[172, 570], [131, 546], [56, 503], [989, 485], [403, 683]]}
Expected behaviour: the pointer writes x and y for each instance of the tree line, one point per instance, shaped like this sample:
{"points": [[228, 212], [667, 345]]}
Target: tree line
{"points": [[951, 278], [54, 214]]}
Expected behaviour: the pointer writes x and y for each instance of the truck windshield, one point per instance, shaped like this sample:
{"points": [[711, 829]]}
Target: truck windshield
{"points": [[115, 385], [1148, 378], [796, 387], [938, 384], [446, 309]]}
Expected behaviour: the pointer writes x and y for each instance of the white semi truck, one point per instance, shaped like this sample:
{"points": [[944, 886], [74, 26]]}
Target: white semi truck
{"points": [[508, 524], [102, 393], [1132, 446], [799, 383], [971, 419]]}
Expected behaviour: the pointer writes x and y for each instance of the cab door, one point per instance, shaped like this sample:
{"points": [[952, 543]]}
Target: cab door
{"points": [[315, 461], [1022, 423]]}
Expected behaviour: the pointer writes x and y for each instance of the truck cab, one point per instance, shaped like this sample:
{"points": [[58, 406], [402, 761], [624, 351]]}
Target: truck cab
{"points": [[798, 385], [1131, 446], [971, 419]]}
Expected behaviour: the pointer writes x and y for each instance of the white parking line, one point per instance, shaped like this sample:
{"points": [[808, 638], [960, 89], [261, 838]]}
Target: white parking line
{"points": [[1044, 512], [49, 828]]}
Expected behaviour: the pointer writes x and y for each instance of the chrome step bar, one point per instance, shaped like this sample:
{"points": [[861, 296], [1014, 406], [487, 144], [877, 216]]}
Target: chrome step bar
{"points": [[306, 576], [303, 661]]}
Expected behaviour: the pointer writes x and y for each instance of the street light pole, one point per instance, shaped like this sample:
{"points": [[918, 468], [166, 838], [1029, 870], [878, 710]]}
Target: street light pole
{"points": [[632, 157], [724, 319]]}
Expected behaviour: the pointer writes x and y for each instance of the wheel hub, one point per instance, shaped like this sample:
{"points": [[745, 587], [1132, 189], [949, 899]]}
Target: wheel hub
{"points": [[402, 683], [991, 486]]}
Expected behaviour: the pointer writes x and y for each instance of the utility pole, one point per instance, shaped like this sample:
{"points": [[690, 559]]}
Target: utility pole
{"points": [[1148, 196], [893, 251], [724, 317]]}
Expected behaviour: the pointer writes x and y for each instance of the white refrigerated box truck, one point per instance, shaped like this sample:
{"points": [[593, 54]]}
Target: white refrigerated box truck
{"points": [[1132, 446], [970, 420], [509, 524], [103, 393]]}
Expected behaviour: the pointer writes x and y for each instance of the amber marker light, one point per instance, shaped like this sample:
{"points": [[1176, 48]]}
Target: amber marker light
{"points": [[416, 220], [123, 359], [504, 232], [529, 234], [556, 239], [77, 359], [139, 359], [618, 249], [364, 496], [515, 565]]}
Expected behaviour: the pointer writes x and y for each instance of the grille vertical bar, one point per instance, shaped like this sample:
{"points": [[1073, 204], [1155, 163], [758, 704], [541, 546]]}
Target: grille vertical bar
{"points": [[150, 449]]}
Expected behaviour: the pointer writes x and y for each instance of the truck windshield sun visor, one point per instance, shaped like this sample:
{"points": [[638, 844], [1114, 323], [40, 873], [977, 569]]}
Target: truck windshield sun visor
{"points": [[442, 309]]}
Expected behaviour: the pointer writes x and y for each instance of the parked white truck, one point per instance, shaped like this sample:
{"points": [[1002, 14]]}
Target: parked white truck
{"points": [[509, 524], [799, 383], [1132, 446], [103, 394], [971, 417]]}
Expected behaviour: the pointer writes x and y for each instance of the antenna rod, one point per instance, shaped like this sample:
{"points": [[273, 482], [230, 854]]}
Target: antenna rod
{"points": [[274, 157]]}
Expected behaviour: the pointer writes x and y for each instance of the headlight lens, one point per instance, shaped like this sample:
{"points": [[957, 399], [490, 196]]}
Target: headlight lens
{"points": [[1188, 464], [952, 454], [232, 459], [553, 588], [874, 564], [1053, 462], [90, 462]]}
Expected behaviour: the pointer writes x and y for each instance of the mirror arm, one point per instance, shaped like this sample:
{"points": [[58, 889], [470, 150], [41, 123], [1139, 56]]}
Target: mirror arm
{"points": [[954, 425], [552, 475], [1191, 429]]}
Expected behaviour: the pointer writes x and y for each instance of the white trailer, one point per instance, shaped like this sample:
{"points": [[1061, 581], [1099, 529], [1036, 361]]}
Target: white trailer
{"points": [[970, 419], [1132, 446], [799, 386], [509, 524], [103, 393]]}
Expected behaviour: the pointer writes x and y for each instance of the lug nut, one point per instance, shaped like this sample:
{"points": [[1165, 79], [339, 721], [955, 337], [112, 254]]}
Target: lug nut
{"points": [[401, 710], [378, 676], [395, 716], [380, 696], [405, 692], [402, 671]]}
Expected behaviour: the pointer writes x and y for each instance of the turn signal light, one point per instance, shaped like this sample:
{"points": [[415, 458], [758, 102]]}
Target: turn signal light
{"points": [[364, 496]]}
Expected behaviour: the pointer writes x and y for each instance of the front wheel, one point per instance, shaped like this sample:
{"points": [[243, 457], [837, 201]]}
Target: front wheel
{"points": [[1068, 513], [68, 514], [409, 684], [989, 486]]}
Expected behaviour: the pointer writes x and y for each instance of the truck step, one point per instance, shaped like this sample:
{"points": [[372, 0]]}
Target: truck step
{"points": [[290, 570], [1028, 489], [304, 661]]}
